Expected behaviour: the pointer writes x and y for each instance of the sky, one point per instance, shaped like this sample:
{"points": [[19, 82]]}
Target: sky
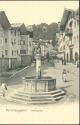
{"points": [[36, 12]]}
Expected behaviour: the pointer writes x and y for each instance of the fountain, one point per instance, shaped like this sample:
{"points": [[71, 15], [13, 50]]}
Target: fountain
{"points": [[38, 89], [39, 83]]}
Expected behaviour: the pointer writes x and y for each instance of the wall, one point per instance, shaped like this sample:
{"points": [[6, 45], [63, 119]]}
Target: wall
{"points": [[4, 65], [25, 45], [30, 45], [75, 38], [26, 60], [1, 41]]}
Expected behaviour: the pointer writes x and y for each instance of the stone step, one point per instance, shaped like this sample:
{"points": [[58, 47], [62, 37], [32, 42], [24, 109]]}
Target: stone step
{"points": [[42, 102], [39, 97], [23, 96], [11, 100], [40, 93], [30, 98], [18, 98], [29, 101], [59, 98], [59, 94]]}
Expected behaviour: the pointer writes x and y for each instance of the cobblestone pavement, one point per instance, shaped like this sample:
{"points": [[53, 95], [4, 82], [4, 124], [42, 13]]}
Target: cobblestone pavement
{"points": [[72, 86]]}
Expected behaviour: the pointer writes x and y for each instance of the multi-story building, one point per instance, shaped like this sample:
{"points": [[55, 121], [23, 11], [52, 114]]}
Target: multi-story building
{"points": [[15, 44], [4, 41], [30, 39], [68, 36], [24, 44], [46, 48], [15, 32]]}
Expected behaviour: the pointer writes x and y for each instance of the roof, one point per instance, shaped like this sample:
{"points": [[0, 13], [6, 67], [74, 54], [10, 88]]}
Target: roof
{"points": [[16, 25], [29, 28], [65, 16], [20, 26], [77, 14], [4, 20]]}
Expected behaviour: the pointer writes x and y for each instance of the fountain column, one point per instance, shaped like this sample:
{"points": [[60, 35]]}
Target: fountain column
{"points": [[38, 66]]}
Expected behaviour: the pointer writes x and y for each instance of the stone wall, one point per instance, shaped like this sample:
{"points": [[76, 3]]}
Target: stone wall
{"points": [[26, 60], [4, 65], [14, 63]]}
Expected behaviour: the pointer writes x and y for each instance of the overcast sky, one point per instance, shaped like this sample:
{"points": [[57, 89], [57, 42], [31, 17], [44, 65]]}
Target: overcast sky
{"points": [[36, 12]]}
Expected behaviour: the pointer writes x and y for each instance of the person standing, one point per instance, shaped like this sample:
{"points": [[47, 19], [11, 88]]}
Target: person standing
{"points": [[64, 75], [4, 89]]}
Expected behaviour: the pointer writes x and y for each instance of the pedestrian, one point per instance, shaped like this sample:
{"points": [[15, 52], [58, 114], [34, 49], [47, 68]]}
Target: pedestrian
{"points": [[4, 89], [64, 75]]}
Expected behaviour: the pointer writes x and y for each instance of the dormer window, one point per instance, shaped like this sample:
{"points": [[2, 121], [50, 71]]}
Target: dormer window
{"points": [[70, 24]]}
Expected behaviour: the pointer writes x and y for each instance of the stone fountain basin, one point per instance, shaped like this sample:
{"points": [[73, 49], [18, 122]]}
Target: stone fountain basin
{"points": [[44, 84]]}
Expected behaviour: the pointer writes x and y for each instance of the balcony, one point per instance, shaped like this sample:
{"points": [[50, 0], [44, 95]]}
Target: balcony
{"points": [[68, 32]]}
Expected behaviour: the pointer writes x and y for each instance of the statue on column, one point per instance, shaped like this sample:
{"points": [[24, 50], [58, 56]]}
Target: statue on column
{"points": [[38, 49]]}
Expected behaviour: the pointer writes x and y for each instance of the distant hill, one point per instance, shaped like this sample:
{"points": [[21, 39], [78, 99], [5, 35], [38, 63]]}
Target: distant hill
{"points": [[45, 31]]}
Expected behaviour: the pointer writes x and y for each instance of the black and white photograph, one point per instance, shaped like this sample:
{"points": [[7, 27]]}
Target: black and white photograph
{"points": [[39, 62]]}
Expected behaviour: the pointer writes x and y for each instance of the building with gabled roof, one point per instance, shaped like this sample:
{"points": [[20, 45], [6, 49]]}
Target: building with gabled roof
{"points": [[15, 43], [4, 26], [4, 44], [19, 26], [68, 41], [4, 20]]}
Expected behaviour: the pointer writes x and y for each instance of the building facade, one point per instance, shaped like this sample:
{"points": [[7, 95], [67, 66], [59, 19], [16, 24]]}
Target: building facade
{"points": [[4, 41], [68, 36], [16, 46]]}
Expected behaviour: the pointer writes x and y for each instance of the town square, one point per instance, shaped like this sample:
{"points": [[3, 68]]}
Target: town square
{"points": [[39, 54]]}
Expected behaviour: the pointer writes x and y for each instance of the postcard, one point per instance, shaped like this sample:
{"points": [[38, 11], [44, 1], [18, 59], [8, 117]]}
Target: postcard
{"points": [[39, 62]]}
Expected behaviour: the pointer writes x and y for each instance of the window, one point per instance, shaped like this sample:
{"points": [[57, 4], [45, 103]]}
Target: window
{"points": [[11, 32], [22, 42], [75, 24], [12, 52], [15, 32], [29, 43], [6, 52], [14, 41], [5, 40], [31, 35], [17, 52], [71, 23], [18, 42], [22, 51]]}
